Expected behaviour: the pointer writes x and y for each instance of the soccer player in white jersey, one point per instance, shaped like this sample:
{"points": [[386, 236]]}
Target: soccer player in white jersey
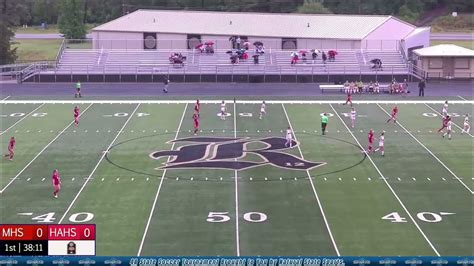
{"points": [[381, 143], [445, 109], [289, 138], [467, 126], [263, 110], [223, 114], [448, 131], [353, 116]]}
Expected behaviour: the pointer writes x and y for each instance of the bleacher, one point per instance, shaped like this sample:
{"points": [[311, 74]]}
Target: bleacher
{"points": [[272, 62]]}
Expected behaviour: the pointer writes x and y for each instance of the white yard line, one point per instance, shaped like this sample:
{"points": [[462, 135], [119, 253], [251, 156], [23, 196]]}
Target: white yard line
{"points": [[159, 187], [45, 147], [428, 150], [434, 110], [3, 132], [236, 191], [4, 99], [97, 165], [459, 96], [388, 185], [313, 187], [246, 102]]}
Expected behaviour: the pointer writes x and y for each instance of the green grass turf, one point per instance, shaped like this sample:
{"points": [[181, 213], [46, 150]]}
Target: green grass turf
{"points": [[466, 44], [32, 50], [353, 200], [51, 29]]}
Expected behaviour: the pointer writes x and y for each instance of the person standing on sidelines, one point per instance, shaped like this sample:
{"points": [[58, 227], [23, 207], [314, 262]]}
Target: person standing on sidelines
{"points": [[421, 88], [78, 90], [324, 122], [166, 83]]}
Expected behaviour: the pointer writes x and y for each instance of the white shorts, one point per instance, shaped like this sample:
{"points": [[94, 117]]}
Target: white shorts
{"points": [[381, 144], [353, 118], [449, 128], [466, 125], [262, 110]]}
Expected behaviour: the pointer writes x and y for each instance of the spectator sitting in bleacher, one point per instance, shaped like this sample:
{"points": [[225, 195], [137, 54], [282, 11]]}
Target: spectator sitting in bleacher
{"points": [[395, 87], [314, 54], [347, 88], [260, 49], [332, 55], [234, 59], [377, 87], [370, 88], [352, 87], [360, 86], [294, 58], [376, 64], [303, 57]]}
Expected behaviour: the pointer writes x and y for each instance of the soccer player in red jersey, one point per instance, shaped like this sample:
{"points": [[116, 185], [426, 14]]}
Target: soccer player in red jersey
{"points": [[196, 122], [56, 183], [197, 107], [446, 119], [76, 116], [371, 140], [11, 149], [348, 99], [394, 115]]}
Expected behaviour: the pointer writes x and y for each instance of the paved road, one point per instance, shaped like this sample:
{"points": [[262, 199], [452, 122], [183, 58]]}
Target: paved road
{"points": [[42, 36], [452, 36]]}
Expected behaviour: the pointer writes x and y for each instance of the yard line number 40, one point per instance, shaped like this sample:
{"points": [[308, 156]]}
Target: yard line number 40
{"points": [[429, 217]]}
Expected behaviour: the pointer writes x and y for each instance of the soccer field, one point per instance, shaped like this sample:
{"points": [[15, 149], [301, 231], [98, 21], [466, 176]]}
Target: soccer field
{"points": [[234, 189]]}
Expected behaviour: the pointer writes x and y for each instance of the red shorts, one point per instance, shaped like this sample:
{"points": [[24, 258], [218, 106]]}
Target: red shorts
{"points": [[196, 124], [57, 187]]}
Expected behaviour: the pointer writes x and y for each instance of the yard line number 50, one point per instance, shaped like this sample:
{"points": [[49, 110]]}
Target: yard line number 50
{"points": [[222, 217]]}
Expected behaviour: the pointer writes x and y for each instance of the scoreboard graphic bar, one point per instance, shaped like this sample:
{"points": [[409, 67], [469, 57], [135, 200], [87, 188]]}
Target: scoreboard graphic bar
{"points": [[47, 240]]}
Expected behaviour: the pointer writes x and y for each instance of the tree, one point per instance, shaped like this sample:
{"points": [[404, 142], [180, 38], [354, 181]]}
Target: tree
{"points": [[71, 22], [312, 7], [11, 13]]}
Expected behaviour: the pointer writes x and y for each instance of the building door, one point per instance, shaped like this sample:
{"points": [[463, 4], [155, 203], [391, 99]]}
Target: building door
{"points": [[149, 40], [448, 67]]}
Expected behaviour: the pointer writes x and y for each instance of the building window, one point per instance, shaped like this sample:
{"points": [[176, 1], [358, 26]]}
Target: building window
{"points": [[436, 63], [288, 44], [193, 40], [461, 63]]}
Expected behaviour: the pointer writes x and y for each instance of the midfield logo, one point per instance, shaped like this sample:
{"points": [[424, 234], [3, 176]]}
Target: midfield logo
{"points": [[230, 153]]}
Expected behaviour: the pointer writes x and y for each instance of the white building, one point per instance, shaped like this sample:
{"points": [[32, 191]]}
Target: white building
{"points": [[158, 29]]}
